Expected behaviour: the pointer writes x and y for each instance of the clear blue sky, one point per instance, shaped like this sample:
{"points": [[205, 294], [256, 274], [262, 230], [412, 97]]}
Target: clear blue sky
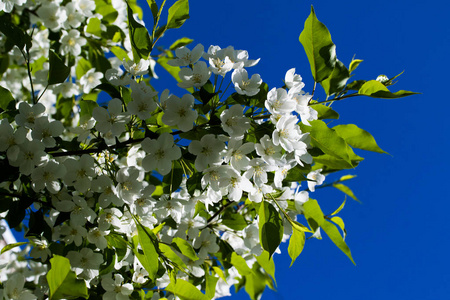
{"points": [[399, 235]]}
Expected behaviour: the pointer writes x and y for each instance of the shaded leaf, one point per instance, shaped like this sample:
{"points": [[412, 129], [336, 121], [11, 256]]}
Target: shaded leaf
{"points": [[337, 79], [6, 99], [58, 71], [141, 43], [270, 227]]}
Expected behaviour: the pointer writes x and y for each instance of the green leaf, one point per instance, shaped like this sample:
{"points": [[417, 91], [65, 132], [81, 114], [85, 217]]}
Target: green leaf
{"points": [[150, 258], [325, 112], [313, 214], [14, 34], [270, 227], [185, 290], [172, 256], [171, 69], [319, 48], [339, 222], [63, 282], [178, 14], [6, 99], [376, 89], [82, 67], [93, 27], [172, 181], [180, 42], [358, 138], [185, 248], [58, 71], [354, 64], [11, 246], [153, 7], [337, 80], [106, 10], [339, 208], [267, 264], [346, 190], [120, 53], [355, 85], [255, 283], [296, 244], [334, 163], [333, 233], [328, 140], [234, 221], [211, 283], [86, 108], [141, 43], [240, 264]]}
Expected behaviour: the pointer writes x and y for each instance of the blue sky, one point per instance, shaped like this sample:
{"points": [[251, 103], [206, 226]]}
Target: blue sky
{"points": [[399, 235]]}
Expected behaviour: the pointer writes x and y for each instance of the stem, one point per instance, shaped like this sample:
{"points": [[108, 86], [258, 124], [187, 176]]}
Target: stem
{"points": [[336, 99], [27, 60], [219, 211]]}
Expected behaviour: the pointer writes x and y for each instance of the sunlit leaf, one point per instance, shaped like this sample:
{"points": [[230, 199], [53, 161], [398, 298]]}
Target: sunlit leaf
{"points": [[333, 233], [178, 14], [63, 282], [357, 137], [346, 190], [185, 290], [376, 89], [296, 244], [12, 246], [185, 248], [319, 48]]}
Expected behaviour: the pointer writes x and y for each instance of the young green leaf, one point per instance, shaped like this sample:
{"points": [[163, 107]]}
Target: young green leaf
{"points": [[63, 282], [270, 227], [319, 48], [153, 7], [211, 283], [328, 140], [339, 208], [178, 14], [358, 138], [325, 112], [180, 43], [333, 233], [185, 290], [354, 64], [150, 258], [11, 246], [240, 264], [296, 244], [267, 264], [346, 190], [172, 256], [58, 71], [376, 89], [185, 248]]}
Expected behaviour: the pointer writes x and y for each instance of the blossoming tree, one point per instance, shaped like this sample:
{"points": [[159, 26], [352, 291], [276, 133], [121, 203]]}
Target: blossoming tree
{"points": [[125, 192]]}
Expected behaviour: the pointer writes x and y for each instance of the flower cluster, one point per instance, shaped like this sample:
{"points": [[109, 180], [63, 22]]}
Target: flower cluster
{"points": [[145, 193]]}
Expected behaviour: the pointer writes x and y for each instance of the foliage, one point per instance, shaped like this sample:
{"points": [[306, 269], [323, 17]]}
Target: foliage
{"points": [[144, 194]]}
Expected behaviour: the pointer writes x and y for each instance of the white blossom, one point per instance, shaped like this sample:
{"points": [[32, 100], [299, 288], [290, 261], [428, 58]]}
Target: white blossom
{"points": [[243, 85], [161, 153]]}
